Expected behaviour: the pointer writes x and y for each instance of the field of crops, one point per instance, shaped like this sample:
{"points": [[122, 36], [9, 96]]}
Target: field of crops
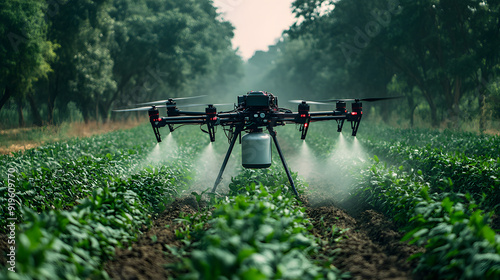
{"points": [[389, 204]]}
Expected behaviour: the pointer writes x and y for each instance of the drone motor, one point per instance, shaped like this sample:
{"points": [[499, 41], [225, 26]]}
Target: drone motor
{"points": [[154, 118]]}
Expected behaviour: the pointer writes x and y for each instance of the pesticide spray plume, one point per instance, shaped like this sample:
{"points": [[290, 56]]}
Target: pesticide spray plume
{"points": [[206, 168], [337, 174], [358, 150], [305, 162], [163, 153]]}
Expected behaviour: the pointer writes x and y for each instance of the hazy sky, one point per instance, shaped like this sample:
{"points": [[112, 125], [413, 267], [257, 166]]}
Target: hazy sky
{"points": [[258, 23]]}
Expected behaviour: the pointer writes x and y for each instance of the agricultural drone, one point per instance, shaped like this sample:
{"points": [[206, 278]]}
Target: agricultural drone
{"points": [[255, 112]]}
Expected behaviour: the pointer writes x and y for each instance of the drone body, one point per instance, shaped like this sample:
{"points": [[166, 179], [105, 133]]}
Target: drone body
{"points": [[254, 112]]}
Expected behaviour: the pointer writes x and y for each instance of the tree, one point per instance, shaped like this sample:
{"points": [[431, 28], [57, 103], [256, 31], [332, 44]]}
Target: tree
{"points": [[165, 46], [66, 24], [108, 51], [25, 52], [93, 81], [441, 47]]}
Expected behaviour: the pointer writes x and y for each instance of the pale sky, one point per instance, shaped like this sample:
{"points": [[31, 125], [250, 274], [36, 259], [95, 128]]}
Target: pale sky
{"points": [[258, 23]]}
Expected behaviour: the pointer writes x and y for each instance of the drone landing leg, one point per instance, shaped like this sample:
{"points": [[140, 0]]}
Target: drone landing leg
{"points": [[229, 150], [157, 133], [288, 174]]}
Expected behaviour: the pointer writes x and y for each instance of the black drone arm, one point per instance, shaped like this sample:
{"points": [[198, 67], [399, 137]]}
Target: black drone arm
{"points": [[187, 113]]}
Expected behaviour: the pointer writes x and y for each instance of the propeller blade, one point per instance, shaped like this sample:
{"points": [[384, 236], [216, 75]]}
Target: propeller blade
{"points": [[362, 99], [175, 99], [146, 108], [343, 100], [205, 105], [308, 102], [379, 98]]}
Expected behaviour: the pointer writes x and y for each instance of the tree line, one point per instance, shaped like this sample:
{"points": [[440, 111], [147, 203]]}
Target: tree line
{"points": [[443, 56], [57, 56]]}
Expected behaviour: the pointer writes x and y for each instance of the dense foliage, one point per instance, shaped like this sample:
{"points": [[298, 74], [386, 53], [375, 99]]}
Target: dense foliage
{"points": [[443, 194], [66, 60], [459, 243], [80, 199], [442, 56], [454, 162], [258, 232]]}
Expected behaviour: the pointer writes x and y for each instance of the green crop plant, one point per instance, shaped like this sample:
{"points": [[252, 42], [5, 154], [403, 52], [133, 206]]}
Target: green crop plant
{"points": [[261, 234], [82, 198], [470, 162], [472, 144], [73, 244], [58, 175], [273, 176], [458, 241]]}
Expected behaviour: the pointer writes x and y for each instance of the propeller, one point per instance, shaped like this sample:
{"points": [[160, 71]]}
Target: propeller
{"points": [[145, 108], [362, 99], [308, 102], [205, 105], [175, 99]]}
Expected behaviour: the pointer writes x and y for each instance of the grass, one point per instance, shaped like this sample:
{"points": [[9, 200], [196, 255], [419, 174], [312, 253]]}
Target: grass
{"points": [[20, 139]]}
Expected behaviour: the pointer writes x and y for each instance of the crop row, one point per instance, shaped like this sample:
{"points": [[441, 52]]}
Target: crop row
{"points": [[81, 198], [72, 244], [435, 194], [459, 243], [58, 175], [468, 143], [256, 233], [449, 171]]}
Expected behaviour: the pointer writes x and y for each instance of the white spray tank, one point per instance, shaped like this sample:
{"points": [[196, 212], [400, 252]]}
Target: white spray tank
{"points": [[256, 150]]}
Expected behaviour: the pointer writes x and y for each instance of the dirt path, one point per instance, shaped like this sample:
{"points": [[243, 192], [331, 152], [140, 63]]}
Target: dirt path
{"points": [[369, 249]]}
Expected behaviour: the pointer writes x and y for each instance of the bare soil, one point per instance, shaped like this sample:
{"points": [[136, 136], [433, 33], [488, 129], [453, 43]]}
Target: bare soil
{"points": [[149, 257], [369, 249]]}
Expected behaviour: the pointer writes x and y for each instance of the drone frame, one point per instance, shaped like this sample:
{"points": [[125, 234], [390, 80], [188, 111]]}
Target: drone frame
{"points": [[254, 111]]}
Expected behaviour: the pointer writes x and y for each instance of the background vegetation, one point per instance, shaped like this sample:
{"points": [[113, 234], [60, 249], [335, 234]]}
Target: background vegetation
{"points": [[442, 56], [76, 60], [67, 60]]}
